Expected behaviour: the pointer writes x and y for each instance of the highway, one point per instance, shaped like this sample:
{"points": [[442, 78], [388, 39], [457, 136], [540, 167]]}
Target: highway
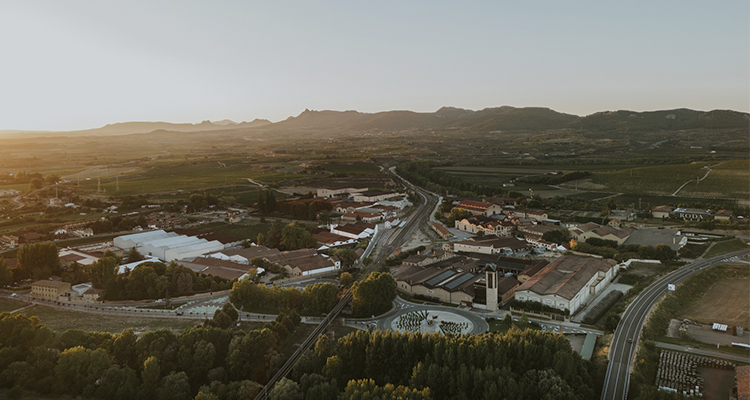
{"points": [[621, 352], [388, 242]]}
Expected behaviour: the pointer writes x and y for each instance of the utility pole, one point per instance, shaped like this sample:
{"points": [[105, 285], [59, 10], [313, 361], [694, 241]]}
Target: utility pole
{"points": [[117, 180]]}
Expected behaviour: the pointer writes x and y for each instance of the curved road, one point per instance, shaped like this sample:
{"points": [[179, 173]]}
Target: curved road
{"points": [[622, 353]]}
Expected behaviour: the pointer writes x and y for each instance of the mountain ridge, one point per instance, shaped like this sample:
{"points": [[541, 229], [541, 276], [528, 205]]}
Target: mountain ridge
{"points": [[491, 119]]}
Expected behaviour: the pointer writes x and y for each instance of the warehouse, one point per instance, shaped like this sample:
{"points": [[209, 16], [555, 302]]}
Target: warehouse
{"points": [[568, 282]]}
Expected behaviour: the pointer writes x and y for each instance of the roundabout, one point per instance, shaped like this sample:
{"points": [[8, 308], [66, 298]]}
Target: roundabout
{"points": [[413, 318]]}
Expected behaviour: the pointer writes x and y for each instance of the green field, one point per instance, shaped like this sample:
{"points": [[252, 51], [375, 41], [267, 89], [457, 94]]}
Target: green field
{"points": [[725, 247], [190, 176], [62, 320], [729, 179], [7, 305], [659, 179]]}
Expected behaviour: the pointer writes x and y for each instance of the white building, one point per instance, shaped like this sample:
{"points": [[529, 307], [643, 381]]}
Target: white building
{"points": [[167, 246], [568, 282]]}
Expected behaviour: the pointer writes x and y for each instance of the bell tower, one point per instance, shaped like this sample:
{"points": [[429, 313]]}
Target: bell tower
{"points": [[491, 278]]}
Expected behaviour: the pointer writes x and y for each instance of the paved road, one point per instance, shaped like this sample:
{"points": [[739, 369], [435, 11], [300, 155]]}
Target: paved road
{"points": [[704, 352], [621, 352]]}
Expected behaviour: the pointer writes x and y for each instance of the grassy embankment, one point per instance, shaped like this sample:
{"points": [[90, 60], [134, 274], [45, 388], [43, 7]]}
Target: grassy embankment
{"points": [[725, 247]]}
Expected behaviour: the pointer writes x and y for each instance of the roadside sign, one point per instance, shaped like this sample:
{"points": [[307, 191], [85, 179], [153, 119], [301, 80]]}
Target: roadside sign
{"points": [[671, 287]]}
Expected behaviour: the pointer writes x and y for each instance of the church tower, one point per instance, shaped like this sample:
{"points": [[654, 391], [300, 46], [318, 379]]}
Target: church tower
{"points": [[491, 278]]}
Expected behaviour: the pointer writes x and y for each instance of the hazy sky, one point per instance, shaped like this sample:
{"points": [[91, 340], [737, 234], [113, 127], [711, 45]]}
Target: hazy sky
{"points": [[82, 64]]}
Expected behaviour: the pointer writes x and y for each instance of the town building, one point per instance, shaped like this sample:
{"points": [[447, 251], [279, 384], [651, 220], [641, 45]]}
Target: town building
{"points": [[69, 256], [507, 246], [691, 214], [339, 191], [357, 230], [661, 212], [479, 207], [49, 290], [723, 215], [593, 230], [441, 230]]}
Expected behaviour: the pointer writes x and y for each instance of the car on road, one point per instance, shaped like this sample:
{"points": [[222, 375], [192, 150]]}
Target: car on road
{"points": [[630, 340]]}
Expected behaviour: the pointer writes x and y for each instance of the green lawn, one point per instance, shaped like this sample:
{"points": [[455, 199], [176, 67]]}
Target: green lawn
{"points": [[725, 247], [7, 305], [62, 320]]}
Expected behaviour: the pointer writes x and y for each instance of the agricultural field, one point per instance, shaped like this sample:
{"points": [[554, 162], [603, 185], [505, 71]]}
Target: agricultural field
{"points": [[659, 179], [727, 301], [728, 179]]}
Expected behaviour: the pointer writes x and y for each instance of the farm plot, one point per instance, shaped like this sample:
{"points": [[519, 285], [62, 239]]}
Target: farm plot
{"points": [[726, 302], [661, 179], [730, 179]]}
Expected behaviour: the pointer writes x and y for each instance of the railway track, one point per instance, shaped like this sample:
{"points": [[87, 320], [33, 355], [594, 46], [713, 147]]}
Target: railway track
{"points": [[390, 242]]}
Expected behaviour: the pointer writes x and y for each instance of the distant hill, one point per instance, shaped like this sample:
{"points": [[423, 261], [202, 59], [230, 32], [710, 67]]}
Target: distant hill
{"points": [[127, 128], [487, 120], [678, 119], [513, 119]]}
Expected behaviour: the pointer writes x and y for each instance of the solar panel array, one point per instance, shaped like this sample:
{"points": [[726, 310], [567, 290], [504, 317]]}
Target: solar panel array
{"points": [[445, 275], [459, 281]]}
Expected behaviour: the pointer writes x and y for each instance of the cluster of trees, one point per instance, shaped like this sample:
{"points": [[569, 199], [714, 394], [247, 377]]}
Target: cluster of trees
{"points": [[398, 258], [373, 295], [377, 365], [117, 223], [560, 236], [6, 275], [536, 306], [292, 236], [37, 261], [610, 249], [198, 202], [303, 209], [424, 174], [34, 179], [266, 201], [207, 361], [149, 280], [314, 300]]}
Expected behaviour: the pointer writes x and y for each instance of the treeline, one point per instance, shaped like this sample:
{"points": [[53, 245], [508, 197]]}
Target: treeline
{"points": [[424, 174], [303, 208], [118, 224], [292, 236], [150, 280], [610, 249], [515, 365], [214, 363], [316, 299]]}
